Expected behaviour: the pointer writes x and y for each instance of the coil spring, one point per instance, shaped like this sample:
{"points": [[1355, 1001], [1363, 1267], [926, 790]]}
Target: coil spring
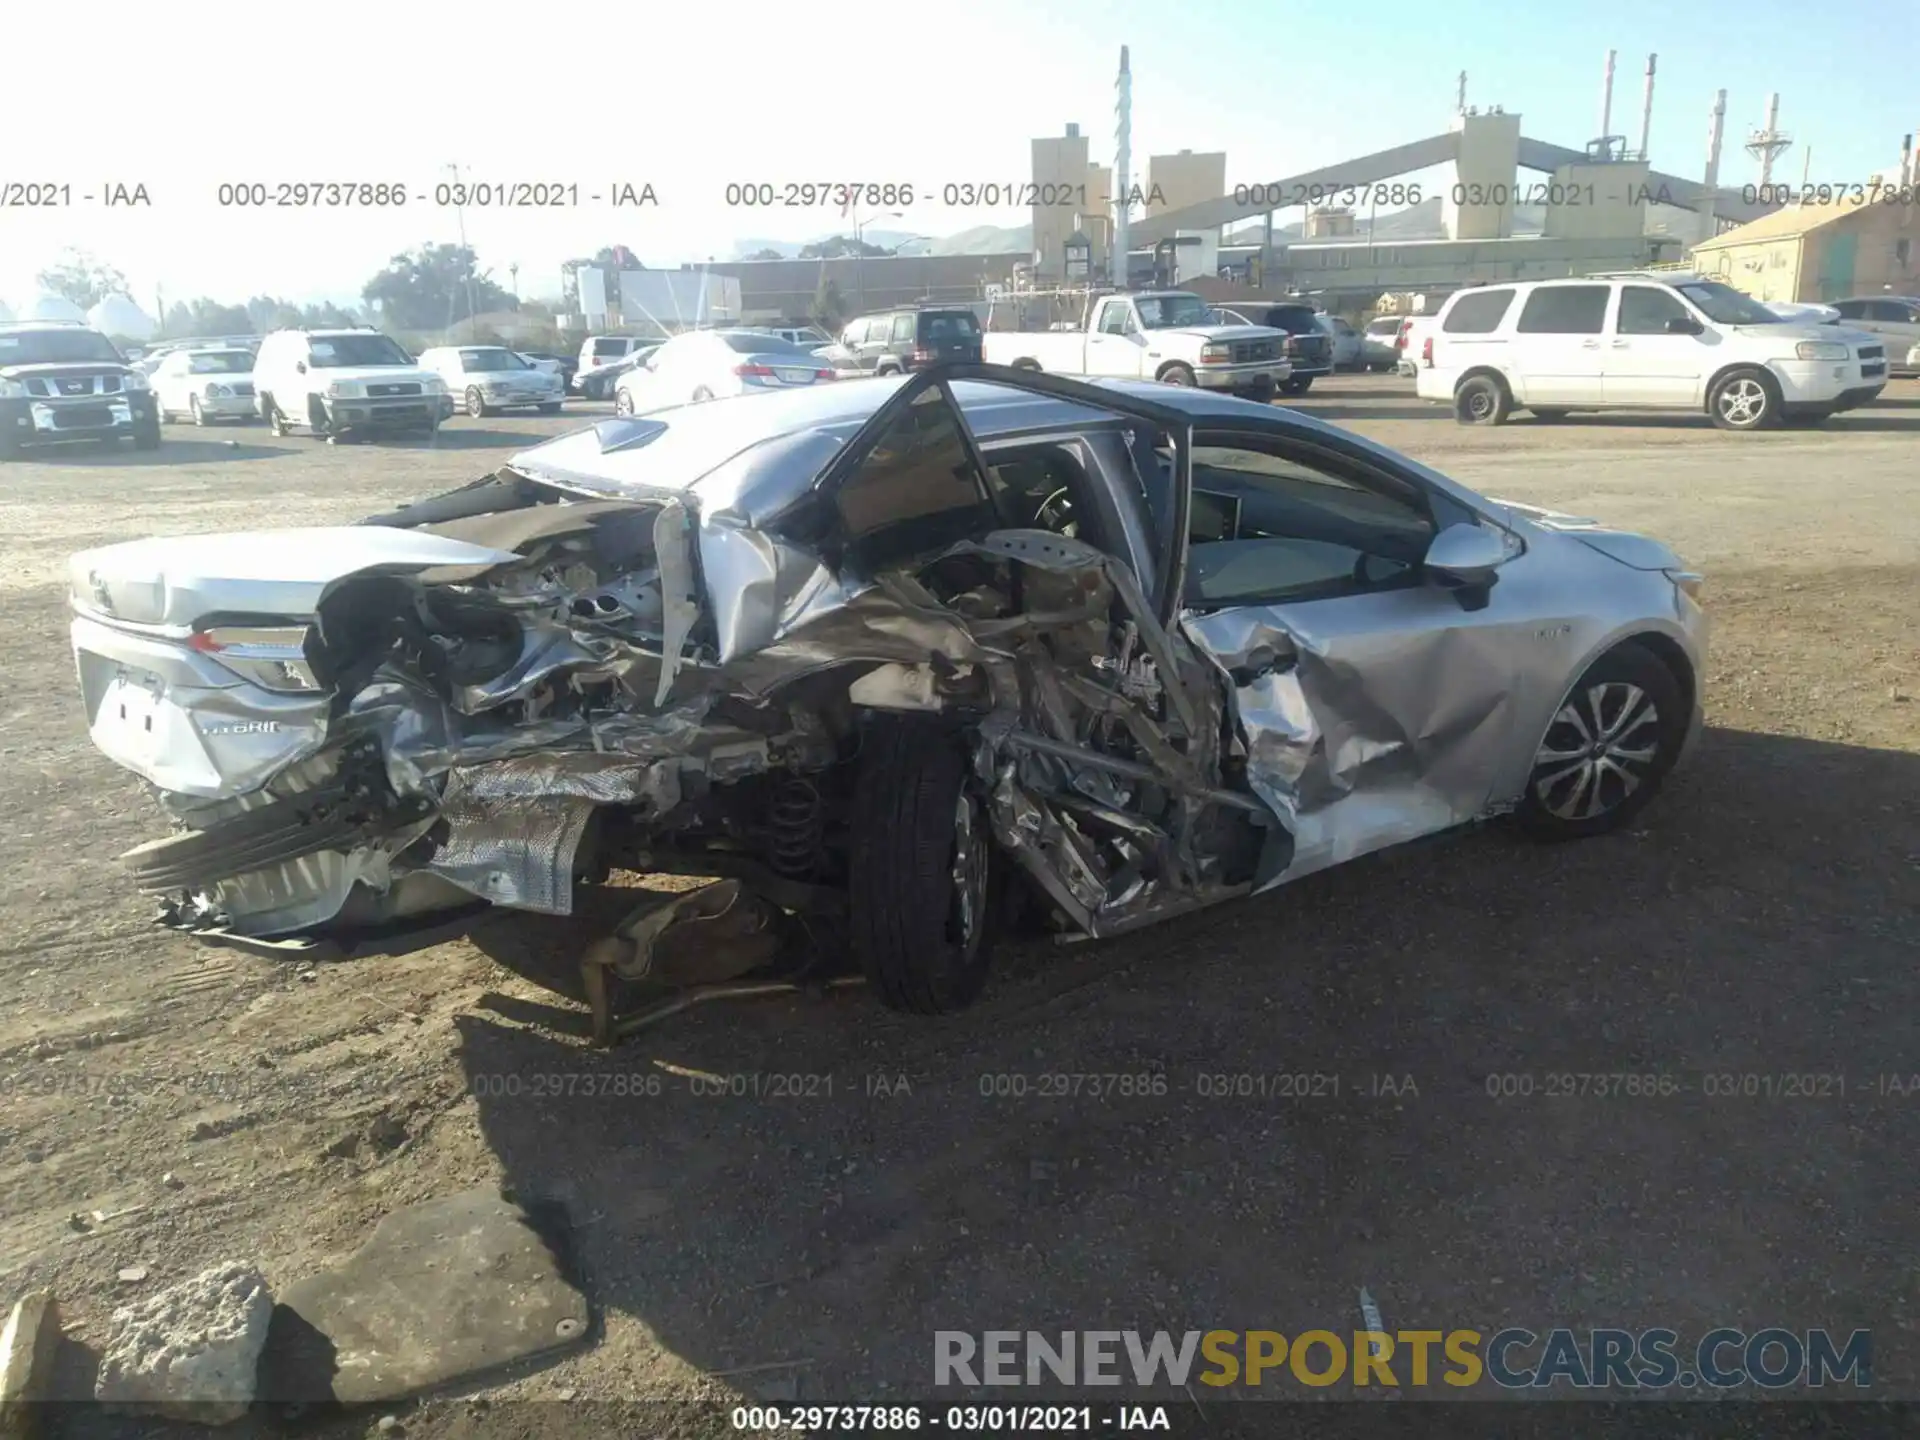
{"points": [[793, 817]]}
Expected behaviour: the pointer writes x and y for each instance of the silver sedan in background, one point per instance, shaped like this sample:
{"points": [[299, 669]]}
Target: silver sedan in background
{"points": [[907, 663]]}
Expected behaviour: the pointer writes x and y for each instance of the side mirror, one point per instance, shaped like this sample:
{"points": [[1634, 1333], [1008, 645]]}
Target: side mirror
{"points": [[1465, 558], [1684, 325], [301, 366]]}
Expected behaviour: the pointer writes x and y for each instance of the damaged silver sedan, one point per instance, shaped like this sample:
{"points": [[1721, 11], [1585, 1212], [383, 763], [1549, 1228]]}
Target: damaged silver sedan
{"points": [[906, 662]]}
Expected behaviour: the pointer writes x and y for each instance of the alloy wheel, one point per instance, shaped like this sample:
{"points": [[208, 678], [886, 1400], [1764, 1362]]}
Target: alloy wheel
{"points": [[1742, 402], [1601, 747], [971, 862]]}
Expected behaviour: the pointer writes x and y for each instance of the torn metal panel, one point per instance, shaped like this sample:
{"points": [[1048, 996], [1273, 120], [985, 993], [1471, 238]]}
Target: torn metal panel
{"points": [[673, 548], [1353, 749]]}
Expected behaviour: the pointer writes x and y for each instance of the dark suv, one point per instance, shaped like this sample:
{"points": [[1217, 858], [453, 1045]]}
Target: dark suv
{"points": [[1309, 349], [896, 341], [64, 381]]}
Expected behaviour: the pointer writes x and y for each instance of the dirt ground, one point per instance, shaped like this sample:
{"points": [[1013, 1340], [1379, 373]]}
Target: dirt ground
{"points": [[1765, 920]]}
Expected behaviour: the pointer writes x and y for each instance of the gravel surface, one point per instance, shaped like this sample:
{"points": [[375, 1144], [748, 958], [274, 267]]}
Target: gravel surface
{"points": [[169, 1107]]}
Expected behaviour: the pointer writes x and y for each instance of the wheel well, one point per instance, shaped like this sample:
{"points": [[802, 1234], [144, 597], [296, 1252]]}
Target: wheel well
{"points": [[1668, 652], [1491, 373], [1172, 365], [1026, 363], [1766, 377]]}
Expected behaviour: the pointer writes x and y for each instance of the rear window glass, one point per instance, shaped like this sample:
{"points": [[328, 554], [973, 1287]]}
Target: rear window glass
{"points": [[948, 325], [1479, 313], [761, 345], [607, 349], [1564, 310], [1296, 319]]}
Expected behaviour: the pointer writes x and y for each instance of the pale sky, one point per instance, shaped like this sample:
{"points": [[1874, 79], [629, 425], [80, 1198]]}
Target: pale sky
{"points": [[183, 97]]}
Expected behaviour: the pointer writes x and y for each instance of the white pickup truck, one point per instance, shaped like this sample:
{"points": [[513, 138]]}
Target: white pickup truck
{"points": [[1167, 335]]}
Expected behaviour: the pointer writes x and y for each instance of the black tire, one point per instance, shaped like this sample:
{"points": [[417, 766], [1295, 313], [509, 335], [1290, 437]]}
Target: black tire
{"points": [[1550, 417], [622, 403], [1296, 384], [276, 422], [1633, 756], [923, 947], [194, 412], [552, 407], [1025, 364], [476, 403], [1745, 398], [147, 437], [1176, 375], [1482, 400]]}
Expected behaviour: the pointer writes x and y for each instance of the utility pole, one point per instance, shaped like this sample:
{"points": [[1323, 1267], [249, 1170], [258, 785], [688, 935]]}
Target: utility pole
{"points": [[460, 214], [513, 275]]}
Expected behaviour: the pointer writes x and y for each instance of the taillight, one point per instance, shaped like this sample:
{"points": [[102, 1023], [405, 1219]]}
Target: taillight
{"points": [[1426, 351], [753, 370], [1400, 335], [823, 375], [922, 357], [270, 656]]}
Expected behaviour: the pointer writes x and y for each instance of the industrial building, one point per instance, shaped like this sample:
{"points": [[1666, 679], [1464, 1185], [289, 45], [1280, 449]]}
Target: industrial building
{"points": [[1816, 253], [1605, 208]]}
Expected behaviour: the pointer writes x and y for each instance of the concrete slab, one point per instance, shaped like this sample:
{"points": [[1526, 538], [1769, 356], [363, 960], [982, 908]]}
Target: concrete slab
{"points": [[440, 1291]]}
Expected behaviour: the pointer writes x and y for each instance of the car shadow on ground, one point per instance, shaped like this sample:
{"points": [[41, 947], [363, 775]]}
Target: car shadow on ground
{"points": [[175, 449], [1371, 1078]]}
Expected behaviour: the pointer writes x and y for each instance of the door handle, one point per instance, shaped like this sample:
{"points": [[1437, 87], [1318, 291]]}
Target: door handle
{"points": [[1622, 344], [1589, 344]]}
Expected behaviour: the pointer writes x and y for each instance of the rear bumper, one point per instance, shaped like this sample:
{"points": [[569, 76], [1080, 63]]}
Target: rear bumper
{"points": [[35, 421]]}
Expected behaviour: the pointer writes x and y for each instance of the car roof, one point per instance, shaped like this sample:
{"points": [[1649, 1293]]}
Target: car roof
{"points": [[636, 452]]}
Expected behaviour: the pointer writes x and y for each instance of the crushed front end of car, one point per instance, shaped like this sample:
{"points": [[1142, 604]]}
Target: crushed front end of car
{"points": [[815, 661]]}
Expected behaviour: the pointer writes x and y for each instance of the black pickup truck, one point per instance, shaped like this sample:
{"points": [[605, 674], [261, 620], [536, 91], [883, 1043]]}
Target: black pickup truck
{"points": [[1309, 349]]}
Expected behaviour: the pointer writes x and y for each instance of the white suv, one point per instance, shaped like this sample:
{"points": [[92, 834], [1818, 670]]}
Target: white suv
{"points": [[1639, 342], [345, 383]]}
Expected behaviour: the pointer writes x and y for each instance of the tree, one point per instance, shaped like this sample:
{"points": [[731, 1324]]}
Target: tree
{"points": [[836, 247], [432, 287], [207, 317], [78, 277], [767, 254], [830, 307]]}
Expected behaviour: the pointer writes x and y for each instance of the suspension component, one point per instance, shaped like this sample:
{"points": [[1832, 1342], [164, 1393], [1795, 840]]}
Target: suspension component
{"points": [[796, 824]]}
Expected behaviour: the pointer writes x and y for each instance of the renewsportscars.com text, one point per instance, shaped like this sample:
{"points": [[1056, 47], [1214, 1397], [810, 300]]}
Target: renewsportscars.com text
{"points": [[1510, 1359]]}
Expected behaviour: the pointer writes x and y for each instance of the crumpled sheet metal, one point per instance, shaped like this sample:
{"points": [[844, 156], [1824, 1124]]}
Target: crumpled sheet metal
{"points": [[514, 826], [1350, 766], [547, 649]]}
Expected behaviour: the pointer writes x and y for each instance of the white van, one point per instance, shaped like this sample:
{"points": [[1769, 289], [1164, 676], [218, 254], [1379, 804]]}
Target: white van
{"points": [[1641, 342]]}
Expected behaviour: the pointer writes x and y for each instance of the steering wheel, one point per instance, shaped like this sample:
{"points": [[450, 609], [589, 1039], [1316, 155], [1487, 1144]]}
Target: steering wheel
{"points": [[1056, 514]]}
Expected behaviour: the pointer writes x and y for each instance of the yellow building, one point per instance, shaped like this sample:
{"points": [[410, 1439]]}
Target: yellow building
{"points": [[1177, 181], [1818, 253]]}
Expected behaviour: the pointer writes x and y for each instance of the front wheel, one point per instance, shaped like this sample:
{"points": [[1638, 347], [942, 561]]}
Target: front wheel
{"points": [[476, 403], [1607, 749], [1745, 399], [622, 403], [276, 422], [1176, 375], [147, 437], [920, 870], [1296, 385], [194, 413]]}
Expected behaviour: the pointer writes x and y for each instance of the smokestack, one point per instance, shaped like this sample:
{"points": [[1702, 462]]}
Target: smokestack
{"points": [[1606, 97], [1906, 160], [1715, 128], [1646, 109], [1122, 160]]}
